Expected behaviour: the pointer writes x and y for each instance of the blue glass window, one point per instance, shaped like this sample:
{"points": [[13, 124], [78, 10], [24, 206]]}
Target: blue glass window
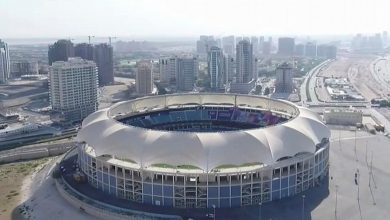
{"points": [[168, 191], [275, 184], [292, 191], [224, 191], [236, 201], [212, 202], [284, 182], [105, 178], [157, 200], [112, 190], [224, 202], [157, 190], [168, 202], [236, 191], [147, 199], [292, 180], [284, 193], [147, 188], [213, 192], [275, 195]]}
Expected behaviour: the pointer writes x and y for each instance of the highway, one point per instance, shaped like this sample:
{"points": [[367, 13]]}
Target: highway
{"points": [[380, 70], [307, 90], [35, 151]]}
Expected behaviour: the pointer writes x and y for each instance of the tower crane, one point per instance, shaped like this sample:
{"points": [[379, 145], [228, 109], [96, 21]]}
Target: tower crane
{"points": [[110, 39], [89, 39]]}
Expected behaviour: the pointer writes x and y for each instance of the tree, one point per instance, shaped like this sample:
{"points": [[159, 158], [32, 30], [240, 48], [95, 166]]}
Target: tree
{"points": [[266, 91]]}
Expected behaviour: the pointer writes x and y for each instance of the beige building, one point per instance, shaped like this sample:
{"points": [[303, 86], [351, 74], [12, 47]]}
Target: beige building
{"points": [[144, 79], [343, 117]]}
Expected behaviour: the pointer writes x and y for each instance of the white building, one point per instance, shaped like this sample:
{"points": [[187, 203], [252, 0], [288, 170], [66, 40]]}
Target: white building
{"points": [[215, 64], [187, 70], [168, 69], [244, 62], [144, 80], [73, 89], [4, 62], [284, 79], [203, 150], [343, 117]]}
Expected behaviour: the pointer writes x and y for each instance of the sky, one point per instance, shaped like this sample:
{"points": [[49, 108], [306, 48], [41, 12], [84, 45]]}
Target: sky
{"points": [[189, 18]]}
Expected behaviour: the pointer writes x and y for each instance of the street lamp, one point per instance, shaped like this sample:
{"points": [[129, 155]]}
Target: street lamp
{"points": [[214, 211], [303, 207], [335, 208], [260, 210]]}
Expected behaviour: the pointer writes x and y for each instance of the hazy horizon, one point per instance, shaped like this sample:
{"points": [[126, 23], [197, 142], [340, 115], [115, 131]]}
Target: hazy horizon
{"points": [[190, 18]]}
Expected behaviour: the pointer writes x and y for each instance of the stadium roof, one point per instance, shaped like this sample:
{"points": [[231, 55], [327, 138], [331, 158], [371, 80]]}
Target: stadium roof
{"points": [[206, 150]]}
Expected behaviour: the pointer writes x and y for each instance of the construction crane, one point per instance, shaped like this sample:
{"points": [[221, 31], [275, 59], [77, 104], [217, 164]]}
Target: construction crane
{"points": [[89, 39], [110, 38]]}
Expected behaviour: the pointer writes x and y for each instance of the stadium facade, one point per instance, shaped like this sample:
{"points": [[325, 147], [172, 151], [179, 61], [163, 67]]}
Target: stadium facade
{"points": [[203, 150]]}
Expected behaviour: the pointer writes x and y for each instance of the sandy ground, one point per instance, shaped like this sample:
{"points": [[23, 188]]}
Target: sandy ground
{"points": [[14, 183], [40, 193], [114, 93]]}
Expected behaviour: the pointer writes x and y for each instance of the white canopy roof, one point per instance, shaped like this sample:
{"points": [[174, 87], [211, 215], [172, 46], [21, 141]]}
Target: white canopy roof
{"points": [[206, 150]]}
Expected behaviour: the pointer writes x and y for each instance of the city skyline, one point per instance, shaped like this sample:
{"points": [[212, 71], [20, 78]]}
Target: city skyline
{"points": [[130, 18]]}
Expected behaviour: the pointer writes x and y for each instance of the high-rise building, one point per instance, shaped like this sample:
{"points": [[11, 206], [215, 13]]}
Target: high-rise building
{"points": [[311, 49], [321, 50], [266, 48], [244, 62], [173, 69], [205, 43], [286, 46], [187, 70], [165, 76], [299, 50], [229, 69], [331, 52], [168, 70], [104, 59], [238, 39], [5, 67], [60, 51], [84, 50], [284, 79], [73, 89], [255, 45], [228, 45], [327, 51], [261, 42], [271, 43], [385, 37], [144, 80], [24, 67], [215, 61]]}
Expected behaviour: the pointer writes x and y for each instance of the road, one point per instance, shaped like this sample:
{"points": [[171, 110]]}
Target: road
{"points": [[380, 69], [308, 94]]}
